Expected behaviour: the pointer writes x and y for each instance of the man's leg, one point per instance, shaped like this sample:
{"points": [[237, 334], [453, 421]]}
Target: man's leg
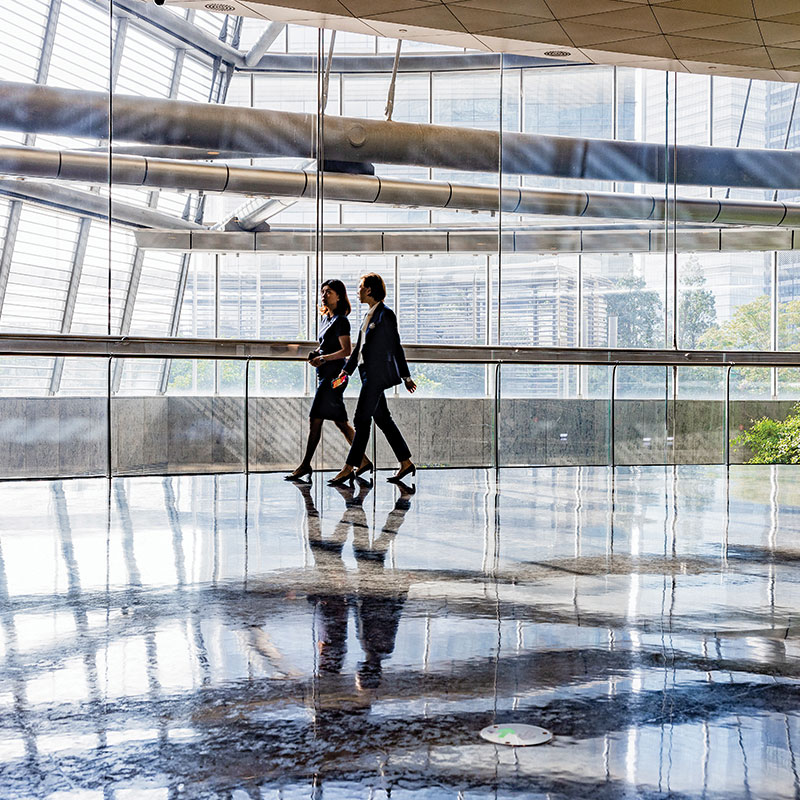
{"points": [[383, 419], [368, 399]]}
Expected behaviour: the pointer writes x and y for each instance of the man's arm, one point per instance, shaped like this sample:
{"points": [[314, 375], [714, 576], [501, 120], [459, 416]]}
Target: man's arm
{"points": [[393, 335]]}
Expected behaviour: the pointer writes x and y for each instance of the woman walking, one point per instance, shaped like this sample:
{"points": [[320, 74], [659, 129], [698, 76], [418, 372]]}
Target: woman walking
{"points": [[381, 364], [329, 358]]}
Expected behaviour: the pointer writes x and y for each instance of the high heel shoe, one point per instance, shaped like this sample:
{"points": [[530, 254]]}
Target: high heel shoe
{"points": [[368, 467], [298, 474], [344, 480], [403, 472]]}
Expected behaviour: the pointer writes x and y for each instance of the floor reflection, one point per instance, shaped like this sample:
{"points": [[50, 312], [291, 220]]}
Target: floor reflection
{"points": [[377, 602], [207, 636]]}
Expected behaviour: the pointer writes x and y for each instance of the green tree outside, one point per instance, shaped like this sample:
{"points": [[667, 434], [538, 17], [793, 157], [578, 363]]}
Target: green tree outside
{"points": [[639, 312], [773, 441], [640, 320], [697, 312], [749, 329]]}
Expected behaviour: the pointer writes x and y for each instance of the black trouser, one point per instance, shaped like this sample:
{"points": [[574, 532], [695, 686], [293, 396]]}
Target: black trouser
{"points": [[372, 405]]}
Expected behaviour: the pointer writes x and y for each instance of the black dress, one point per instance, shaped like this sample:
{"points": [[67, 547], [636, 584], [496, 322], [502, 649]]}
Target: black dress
{"points": [[329, 402]]}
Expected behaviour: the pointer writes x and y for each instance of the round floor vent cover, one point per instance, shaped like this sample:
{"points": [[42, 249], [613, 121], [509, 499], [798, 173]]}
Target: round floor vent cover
{"points": [[516, 735]]}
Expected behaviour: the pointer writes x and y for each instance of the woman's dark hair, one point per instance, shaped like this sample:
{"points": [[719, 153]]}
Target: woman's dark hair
{"points": [[375, 284], [343, 306]]}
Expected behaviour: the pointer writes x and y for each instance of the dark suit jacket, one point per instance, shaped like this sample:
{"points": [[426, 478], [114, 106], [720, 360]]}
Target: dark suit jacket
{"points": [[384, 359]]}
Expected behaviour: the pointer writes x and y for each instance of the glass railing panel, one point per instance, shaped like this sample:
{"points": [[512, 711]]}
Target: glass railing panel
{"points": [[43, 435], [643, 415], [175, 430], [760, 422], [697, 419], [544, 419], [788, 383], [449, 380], [279, 395], [445, 423]]}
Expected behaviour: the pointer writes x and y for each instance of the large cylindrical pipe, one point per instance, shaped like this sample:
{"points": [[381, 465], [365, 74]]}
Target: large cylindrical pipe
{"points": [[67, 112], [128, 170], [538, 240]]}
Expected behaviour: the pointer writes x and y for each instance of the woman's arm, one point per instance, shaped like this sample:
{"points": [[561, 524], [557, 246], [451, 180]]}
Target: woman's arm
{"points": [[344, 351]]}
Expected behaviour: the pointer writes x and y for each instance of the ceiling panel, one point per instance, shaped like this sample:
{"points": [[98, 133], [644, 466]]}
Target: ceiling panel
{"points": [[724, 37]]}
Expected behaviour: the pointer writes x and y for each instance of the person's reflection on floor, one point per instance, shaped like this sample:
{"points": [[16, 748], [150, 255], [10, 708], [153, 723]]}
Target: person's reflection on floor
{"points": [[381, 596], [378, 597], [330, 606]]}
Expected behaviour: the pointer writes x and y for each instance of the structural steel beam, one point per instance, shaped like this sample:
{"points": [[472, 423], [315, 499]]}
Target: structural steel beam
{"points": [[72, 295], [486, 241], [83, 114], [133, 288], [265, 41], [175, 319], [119, 48], [7, 250], [90, 205], [164, 173], [172, 28], [374, 63], [48, 41]]}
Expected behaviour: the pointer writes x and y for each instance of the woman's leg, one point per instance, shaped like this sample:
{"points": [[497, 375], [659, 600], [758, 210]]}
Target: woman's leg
{"points": [[346, 429], [314, 434]]}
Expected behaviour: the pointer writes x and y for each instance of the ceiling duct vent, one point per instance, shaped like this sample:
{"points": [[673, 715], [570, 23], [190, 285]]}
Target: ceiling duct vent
{"points": [[224, 8], [551, 53]]}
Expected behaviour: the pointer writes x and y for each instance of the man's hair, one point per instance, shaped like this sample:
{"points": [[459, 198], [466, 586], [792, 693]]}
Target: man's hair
{"points": [[375, 284]]}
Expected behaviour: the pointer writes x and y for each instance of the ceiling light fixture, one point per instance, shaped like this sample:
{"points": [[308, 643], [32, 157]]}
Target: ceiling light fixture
{"points": [[223, 7], [557, 53]]}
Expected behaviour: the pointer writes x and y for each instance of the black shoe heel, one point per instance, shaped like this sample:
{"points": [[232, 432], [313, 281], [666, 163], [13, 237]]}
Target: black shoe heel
{"points": [[298, 476], [410, 469], [346, 480], [368, 467]]}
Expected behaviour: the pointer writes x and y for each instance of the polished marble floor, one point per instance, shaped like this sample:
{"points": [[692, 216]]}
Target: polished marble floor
{"points": [[213, 637]]}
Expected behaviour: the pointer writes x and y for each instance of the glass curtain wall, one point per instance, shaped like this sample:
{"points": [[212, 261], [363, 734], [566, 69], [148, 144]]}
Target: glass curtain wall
{"points": [[537, 266]]}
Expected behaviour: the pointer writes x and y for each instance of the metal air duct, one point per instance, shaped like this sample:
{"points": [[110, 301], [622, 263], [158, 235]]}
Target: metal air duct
{"points": [[67, 112], [128, 170]]}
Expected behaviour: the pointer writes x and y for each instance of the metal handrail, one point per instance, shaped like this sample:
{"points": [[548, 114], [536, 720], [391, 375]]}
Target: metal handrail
{"points": [[53, 345]]}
